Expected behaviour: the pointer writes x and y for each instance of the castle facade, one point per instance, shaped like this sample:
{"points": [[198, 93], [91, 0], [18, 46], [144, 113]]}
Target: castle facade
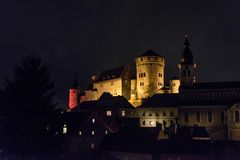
{"points": [[185, 102]]}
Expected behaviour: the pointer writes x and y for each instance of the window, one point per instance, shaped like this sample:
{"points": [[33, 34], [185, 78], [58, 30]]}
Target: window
{"points": [[93, 133], [93, 120], [92, 146], [141, 83], [198, 116], [210, 116], [157, 114], [109, 113], [164, 113], [64, 129], [150, 114], [143, 122], [150, 123], [143, 113], [171, 113], [186, 116], [222, 117], [112, 83], [159, 74], [144, 74], [237, 116], [123, 113]]}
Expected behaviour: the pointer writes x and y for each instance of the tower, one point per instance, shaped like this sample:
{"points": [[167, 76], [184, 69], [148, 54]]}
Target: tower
{"points": [[149, 74], [73, 94], [186, 66]]}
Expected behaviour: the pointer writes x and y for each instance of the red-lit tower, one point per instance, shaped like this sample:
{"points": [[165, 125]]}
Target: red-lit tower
{"points": [[74, 94]]}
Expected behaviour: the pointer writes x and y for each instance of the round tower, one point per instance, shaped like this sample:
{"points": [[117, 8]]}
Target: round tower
{"points": [[149, 74], [73, 94], [174, 84], [186, 66]]}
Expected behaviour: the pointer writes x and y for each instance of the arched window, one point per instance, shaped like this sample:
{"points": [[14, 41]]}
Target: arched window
{"points": [[237, 116]]}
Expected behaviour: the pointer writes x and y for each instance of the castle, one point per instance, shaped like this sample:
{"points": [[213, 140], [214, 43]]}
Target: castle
{"points": [[185, 102]]}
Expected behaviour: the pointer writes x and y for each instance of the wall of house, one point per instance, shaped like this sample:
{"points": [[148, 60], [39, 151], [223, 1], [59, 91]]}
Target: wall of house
{"points": [[214, 118], [113, 86], [150, 117], [234, 122]]}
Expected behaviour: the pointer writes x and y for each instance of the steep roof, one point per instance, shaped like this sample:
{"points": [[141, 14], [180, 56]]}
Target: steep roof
{"points": [[217, 85], [104, 102], [161, 100], [150, 52], [187, 56], [111, 74]]}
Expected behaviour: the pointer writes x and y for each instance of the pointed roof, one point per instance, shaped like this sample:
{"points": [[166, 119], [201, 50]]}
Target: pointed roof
{"points": [[150, 52], [111, 74], [75, 83], [187, 56]]}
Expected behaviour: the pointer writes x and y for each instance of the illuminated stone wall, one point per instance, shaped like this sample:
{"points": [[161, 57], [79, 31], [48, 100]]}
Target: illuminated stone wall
{"points": [[174, 85], [150, 75], [149, 117], [234, 122], [113, 86], [73, 98]]}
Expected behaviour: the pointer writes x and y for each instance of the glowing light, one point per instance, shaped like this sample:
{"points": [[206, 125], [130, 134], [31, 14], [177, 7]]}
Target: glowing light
{"points": [[93, 120], [123, 113], [64, 129], [93, 133], [106, 132], [109, 113]]}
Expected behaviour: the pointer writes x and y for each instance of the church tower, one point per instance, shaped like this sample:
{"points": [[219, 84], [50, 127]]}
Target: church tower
{"points": [[186, 66], [150, 74], [73, 94]]}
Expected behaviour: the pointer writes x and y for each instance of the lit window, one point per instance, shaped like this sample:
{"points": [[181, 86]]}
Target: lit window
{"points": [[123, 113], [109, 113], [64, 129], [92, 146], [80, 133], [93, 120], [236, 116], [210, 116], [106, 132], [150, 123], [93, 133]]}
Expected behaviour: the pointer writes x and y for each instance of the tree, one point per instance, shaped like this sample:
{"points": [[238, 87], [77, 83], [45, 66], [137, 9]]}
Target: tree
{"points": [[29, 105]]}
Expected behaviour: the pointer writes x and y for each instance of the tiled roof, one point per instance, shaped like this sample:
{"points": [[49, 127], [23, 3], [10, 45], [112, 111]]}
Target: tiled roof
{"points": [[104, 102], [162, 100], [150, 52], [214, 85], [110, 74]]}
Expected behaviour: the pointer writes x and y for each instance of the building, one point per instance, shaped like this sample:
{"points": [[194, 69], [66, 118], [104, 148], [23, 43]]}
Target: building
{"points": [[185, 102]]}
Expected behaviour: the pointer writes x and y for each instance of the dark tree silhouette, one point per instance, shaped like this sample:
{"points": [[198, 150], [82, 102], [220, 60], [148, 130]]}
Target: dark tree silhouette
{"points": [[29, 107]]}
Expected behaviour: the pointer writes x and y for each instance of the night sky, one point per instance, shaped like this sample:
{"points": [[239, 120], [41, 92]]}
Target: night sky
{"points": [[88, 36]]}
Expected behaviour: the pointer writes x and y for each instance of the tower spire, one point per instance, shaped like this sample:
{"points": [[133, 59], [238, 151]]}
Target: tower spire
{"points": [[186, 43]]}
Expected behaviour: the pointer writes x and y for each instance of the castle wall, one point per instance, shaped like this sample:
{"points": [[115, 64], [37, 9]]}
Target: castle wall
{"points": [[150, 75], [113, 86]]}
